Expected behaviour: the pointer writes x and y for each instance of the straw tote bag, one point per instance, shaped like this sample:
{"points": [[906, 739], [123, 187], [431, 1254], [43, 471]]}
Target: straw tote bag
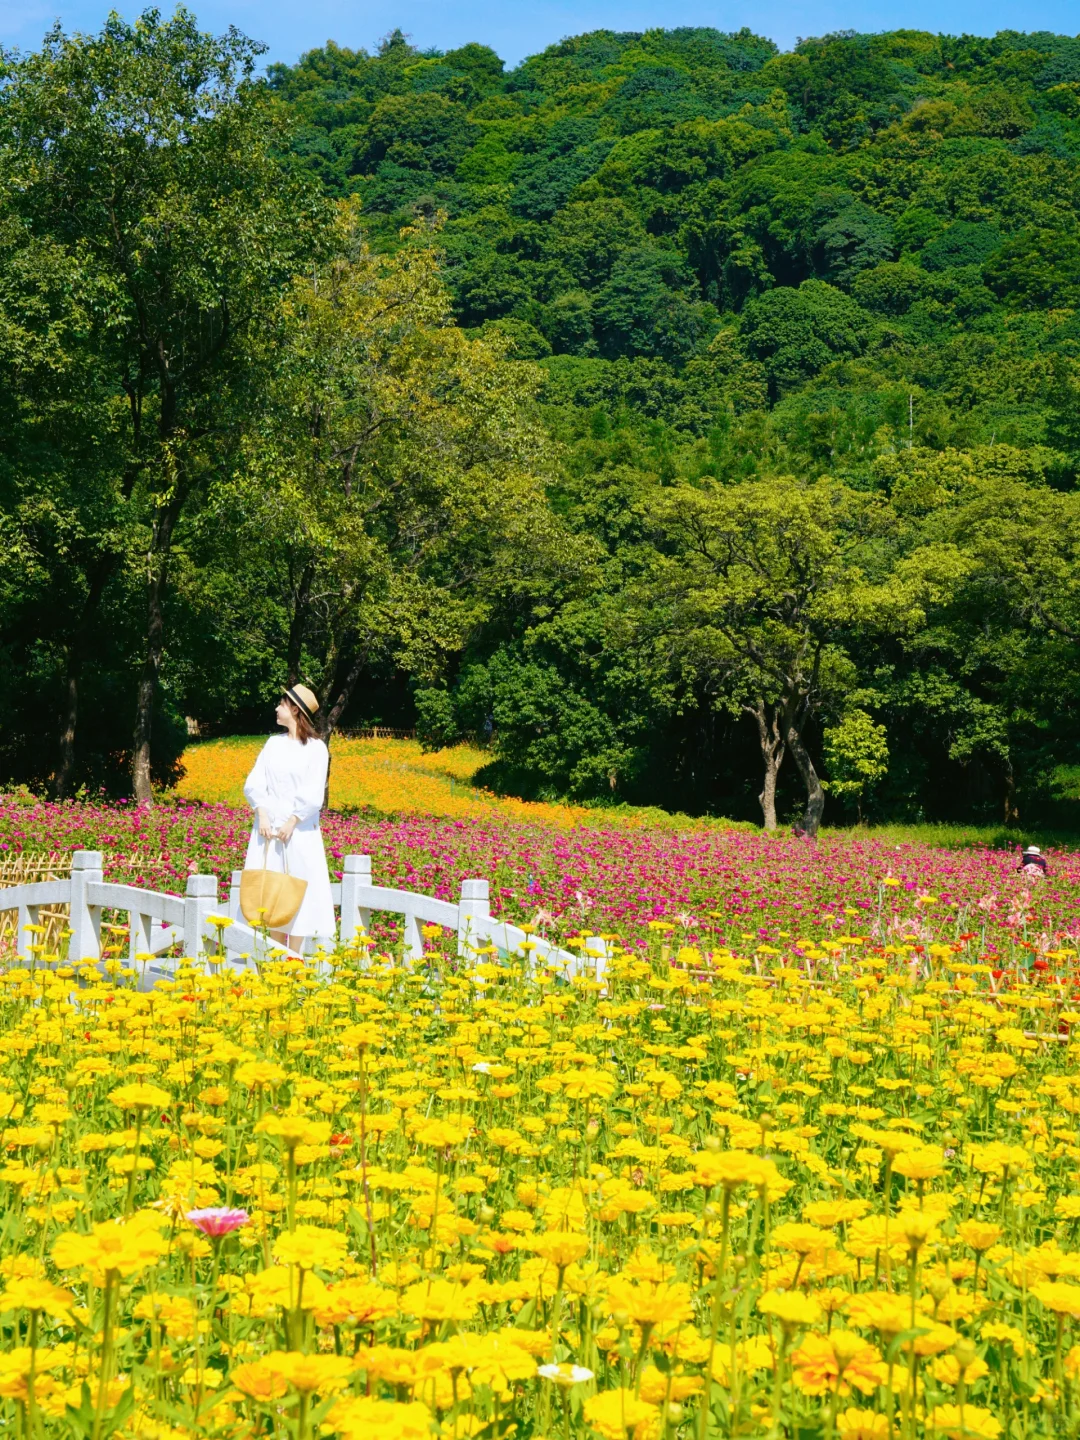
{"points": [[270, 898]]}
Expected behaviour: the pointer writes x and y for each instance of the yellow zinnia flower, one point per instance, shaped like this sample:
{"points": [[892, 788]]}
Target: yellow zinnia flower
{"points": [[979, 1234], [1056, 1295], [619, 1413], [963, 1422], [853, 1424], [790, 1307], [732, 1168], [439, 1300], [40, 1295], [369, 1419], [114, 1248], [309, 1247], [306, 1373], [140, 1096], [888, 1314], [559, 1247]]}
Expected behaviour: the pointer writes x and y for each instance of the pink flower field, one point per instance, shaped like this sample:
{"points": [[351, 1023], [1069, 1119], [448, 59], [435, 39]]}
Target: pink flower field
{"points": [[738, 886], [817, 1127]]}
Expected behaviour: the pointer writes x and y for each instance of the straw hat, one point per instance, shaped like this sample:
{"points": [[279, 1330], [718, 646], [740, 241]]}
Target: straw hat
{"points": [[304, 700]]}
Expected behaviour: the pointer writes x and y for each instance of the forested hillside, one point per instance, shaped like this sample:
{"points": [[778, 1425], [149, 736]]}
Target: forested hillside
{"points": [[860, 260], [646, 211], [687, 421]]}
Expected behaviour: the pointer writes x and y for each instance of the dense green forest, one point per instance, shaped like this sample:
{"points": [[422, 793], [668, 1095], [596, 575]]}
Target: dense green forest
{"points": [[694, 423]]}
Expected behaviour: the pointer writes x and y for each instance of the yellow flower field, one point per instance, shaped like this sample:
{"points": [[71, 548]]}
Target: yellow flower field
{"points": [[391, 776], [814, 1193]]}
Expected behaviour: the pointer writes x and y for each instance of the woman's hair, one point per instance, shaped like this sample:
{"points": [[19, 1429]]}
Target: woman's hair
{"points": [[305, 730]]}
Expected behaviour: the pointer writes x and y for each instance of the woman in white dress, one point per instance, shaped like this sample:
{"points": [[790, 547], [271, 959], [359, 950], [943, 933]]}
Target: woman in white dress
{"points": [[286, 789]]}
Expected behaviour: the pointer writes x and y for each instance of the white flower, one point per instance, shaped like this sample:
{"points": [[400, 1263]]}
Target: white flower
{"points": [[565, 1374]]}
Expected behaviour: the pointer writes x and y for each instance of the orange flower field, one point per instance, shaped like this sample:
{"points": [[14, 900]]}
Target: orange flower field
{"points": [[391, 776]]}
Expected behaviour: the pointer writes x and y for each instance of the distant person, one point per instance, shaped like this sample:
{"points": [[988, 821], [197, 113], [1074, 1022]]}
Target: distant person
{"points": [[286, 789], [1033, 861]]}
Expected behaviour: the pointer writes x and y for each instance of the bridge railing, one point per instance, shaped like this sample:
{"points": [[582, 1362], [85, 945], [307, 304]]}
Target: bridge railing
{"points": [[159, 922]]}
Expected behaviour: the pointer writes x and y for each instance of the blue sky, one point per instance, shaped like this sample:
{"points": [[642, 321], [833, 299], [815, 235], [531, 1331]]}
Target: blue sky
{"points": [[516, 28]]}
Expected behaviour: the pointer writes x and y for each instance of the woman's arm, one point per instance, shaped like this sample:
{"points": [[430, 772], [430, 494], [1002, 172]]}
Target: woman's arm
{"points": [[309, 795], [257, 793]]}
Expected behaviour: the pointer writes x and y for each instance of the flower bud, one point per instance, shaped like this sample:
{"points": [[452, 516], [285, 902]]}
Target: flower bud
{"points": [[939, 1286], [966, 1353]]}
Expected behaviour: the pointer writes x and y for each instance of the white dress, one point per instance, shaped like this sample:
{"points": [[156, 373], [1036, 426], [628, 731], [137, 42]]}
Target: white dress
{"points": [[290, 779]]}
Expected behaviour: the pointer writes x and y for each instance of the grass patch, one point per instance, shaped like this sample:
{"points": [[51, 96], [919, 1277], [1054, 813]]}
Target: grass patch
{"points": [[963, 837]]}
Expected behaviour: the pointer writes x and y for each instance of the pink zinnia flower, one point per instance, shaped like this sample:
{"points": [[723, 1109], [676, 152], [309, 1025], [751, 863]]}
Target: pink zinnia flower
{"points": [[217, 1221]]}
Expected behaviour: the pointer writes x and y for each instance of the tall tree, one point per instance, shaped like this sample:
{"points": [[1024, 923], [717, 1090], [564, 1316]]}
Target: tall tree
{"points": [[998, 662], [758, 592], [401, 468], [61, 462], [146, 153]]}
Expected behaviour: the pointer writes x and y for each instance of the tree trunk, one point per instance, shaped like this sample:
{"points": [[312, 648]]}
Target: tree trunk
{"points": [[298, 623], [76, 650], [773, 749], [815, 795], [344, 693], [1012, 810], [65, 769], [335, 711], [155, 644]]}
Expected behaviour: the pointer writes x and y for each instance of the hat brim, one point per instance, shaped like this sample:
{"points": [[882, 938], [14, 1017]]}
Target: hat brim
{"points": [[291, 694]]}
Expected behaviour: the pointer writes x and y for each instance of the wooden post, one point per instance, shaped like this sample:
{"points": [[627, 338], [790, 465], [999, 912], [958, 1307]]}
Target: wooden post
{"points": [[140, 932], [414, 941], [234, 912], [474, 912], [28, 915], [594, 964], [355, 876], [85, 918], [200, 901]]}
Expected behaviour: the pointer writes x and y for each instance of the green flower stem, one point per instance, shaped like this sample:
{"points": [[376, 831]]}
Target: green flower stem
{"points": [[718, 1305], [129, 1198], [111, 1281]]}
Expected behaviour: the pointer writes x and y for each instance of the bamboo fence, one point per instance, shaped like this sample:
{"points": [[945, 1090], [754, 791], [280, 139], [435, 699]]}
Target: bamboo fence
{"points": [[29, 866]]}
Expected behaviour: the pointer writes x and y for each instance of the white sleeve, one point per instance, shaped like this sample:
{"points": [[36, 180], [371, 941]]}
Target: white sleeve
{"points": [[256, 791], [309, 795]]}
